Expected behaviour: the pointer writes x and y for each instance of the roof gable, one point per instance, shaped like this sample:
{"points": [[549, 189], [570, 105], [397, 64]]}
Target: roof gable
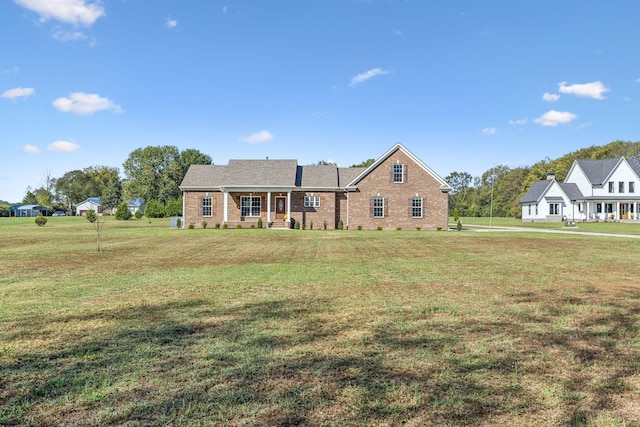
{"points": [[597, 171], [443, 184]]}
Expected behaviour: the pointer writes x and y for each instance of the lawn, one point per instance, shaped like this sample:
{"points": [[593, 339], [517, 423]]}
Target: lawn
{"points": [[267, 328]]}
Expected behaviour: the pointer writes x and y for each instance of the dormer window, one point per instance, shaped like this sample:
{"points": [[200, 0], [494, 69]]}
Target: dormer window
{"points": [[632, 187], [611, 186], [621, 187], [398, 173]]}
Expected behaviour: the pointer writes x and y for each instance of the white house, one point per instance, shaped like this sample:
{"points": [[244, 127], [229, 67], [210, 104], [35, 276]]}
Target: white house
{"points": [[91, 204], [592, 190]]}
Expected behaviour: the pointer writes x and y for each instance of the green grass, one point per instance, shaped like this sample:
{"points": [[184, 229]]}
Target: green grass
{"points": [[265, 327]]}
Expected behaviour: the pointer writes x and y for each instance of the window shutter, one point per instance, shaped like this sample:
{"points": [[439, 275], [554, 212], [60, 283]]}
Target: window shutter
{"points": [[321, 200], [410, 210], [214, 203], [404, 173], [384, 203], [371, 206]]}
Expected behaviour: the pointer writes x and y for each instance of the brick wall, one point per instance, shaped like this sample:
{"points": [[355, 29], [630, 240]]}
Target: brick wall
{"points": [[417, 182], [318, 215]]}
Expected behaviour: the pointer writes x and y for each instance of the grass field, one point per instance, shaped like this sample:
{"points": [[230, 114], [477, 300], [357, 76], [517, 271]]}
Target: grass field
{"points": [[265, 327]]}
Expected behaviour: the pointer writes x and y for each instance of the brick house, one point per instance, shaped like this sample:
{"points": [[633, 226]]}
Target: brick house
{"points": [[397, 190]]}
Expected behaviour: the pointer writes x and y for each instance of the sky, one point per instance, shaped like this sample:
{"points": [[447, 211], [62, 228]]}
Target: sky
{"points": [[463, 84]]}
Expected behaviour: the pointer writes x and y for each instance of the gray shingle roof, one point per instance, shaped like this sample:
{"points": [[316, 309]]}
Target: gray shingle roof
{"points": [[346, 175], [572, 191], [322, 176], [279, 173], [203, 176], [536, 191], [598, 170]]}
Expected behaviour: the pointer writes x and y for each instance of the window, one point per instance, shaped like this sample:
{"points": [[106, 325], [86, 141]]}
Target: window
{"points": [[398, 173], [311, 201], [608, 208], [529, 209], [598, 207], [250, 206], [378, 207], [632, 187], [554, 208], [610, 186], [536, 209], [621, 187], [206, 206], [416, 207]]}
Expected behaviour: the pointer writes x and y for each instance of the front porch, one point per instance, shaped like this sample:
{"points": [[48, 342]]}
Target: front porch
{"points": [[603, 210]]}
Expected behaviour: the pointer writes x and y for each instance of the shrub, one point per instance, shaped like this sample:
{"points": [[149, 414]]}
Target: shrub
{"points": [[253, 226], [324, 225], [260, 222], [225, 225], [41, 220], [173, 207], [204, 224], [456, 216], [191, 226], [439, 228], [459, 226], [296, 225], [379, 228], [137, 215], [360, 227], [217, 225], [155, 209], [340, 225], [238, 226], [398, 228], [178, 223], [123, 212], [311, 225], [91, 216], [418, 228]]}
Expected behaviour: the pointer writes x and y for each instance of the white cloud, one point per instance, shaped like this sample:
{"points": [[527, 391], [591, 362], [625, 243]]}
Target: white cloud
{"points": [[551, 97], [587, 90], [76, 12], [31, 149], [19, 92], [626, 99], [63, 146], [67, 36], [85, 103], [14, 70], [171, 23], [367, 75], [225, 9], [489, 131], [518, 122], [555, 118], [258, 137]]}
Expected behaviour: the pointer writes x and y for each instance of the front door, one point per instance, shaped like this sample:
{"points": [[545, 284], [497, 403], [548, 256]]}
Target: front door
{"points": [[281, 209], [624, 211]]}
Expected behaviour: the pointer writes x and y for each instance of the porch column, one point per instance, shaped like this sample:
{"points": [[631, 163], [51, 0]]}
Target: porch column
{"points": [[226, 205], [268, 206], [618, 211], [289, 206]]}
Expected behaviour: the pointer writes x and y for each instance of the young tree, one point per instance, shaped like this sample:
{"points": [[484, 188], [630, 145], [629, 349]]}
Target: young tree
{"points": [[123, 212]]}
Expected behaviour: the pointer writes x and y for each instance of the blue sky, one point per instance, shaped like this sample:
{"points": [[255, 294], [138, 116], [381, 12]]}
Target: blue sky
{"points": [[464, 85]]}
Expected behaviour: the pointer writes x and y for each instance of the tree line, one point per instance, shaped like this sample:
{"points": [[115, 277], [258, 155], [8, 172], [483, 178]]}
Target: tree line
{"points": [[498, 191], [152, 173]]}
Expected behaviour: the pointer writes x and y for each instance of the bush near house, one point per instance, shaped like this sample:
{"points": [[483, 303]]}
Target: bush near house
{"points": [[123, 212]]}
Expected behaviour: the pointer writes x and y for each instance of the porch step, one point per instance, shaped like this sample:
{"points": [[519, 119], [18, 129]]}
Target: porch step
{"points": [[280, 224]]}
